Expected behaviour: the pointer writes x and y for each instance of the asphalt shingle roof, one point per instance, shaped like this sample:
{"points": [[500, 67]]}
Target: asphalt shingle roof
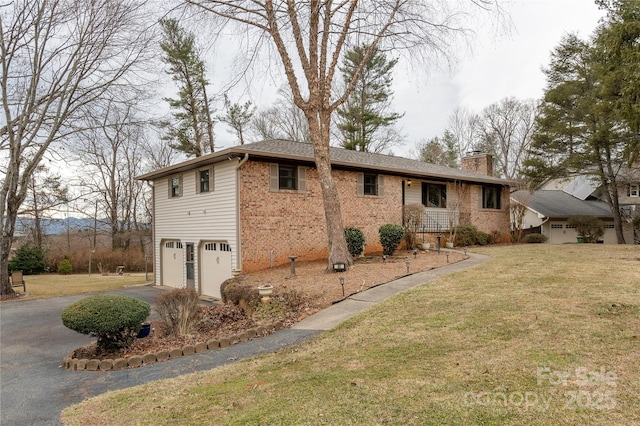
{"points": [[283, 149], [559, 204]]}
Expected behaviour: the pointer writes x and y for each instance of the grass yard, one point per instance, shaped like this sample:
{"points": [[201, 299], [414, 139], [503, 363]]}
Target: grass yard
{"points": [[45, 286], [539, 335]]}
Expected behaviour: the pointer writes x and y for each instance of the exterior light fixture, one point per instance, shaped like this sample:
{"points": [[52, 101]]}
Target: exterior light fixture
{"points": [[409, 182], [407, 262], [339, 267], [415, 253], [447, 253], [384, 258], [465, 251], [342, 283]]}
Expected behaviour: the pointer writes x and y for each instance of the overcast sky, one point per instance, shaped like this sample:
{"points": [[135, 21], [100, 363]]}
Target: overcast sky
{"points": [[497, 66]]}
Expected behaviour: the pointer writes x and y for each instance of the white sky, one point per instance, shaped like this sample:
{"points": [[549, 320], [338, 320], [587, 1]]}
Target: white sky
{"points": [[498, 66]]}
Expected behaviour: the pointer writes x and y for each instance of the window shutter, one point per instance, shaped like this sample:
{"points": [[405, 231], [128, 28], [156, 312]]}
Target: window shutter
{"points": [[197, 181], [211, 179], [169, 186], [302, 179], [380, 181], [629, 190], [274, 184], [360, 184], [180, 186]]}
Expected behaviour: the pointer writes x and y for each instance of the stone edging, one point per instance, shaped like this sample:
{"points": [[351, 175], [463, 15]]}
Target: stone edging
{"points": [[71, 363]]}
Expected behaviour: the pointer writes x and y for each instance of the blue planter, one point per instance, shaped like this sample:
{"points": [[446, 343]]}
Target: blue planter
{"points": [[144, 331]]}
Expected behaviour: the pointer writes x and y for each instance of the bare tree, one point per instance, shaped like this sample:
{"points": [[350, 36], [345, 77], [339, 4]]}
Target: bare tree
{"points": [[111, 154], [57, 57], [505, 129], [462, 125], [46, 193], [283, 120], [310, 38]]}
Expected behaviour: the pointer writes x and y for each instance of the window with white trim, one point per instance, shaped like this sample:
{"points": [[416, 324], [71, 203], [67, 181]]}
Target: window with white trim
{"points": [[175, 186], [204, 180], [633, 190]]}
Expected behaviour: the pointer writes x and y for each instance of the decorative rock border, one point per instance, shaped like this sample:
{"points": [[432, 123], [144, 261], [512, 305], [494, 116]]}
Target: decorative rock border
{"points": [[71, 363]]}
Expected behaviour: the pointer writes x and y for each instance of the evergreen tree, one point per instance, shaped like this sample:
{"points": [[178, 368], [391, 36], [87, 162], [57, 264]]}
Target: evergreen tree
{"points": [[193, 131], [440, 151], [590, 116], [364, 119], [238, 116]]}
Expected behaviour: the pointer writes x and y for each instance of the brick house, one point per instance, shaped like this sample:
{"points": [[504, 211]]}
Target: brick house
{"points": [[251, 206]]}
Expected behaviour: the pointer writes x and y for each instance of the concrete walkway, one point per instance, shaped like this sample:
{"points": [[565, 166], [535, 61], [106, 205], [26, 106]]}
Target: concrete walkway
{"points": [[33, 342]]}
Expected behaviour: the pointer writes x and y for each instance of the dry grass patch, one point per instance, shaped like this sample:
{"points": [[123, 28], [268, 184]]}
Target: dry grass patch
{"points": [[531, 337], [45, 286]]}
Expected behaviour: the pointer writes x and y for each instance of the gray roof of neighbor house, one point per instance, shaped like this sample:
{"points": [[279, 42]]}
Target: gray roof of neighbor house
{"points": [[559, 204], [276, 149]]}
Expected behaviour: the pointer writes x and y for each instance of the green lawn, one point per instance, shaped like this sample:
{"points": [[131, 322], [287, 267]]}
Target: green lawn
{"points": [[539, 335], [55, 285]]}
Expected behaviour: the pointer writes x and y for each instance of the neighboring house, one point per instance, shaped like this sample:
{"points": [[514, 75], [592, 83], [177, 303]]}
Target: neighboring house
{"points": [[251, 206], [549, 209]]}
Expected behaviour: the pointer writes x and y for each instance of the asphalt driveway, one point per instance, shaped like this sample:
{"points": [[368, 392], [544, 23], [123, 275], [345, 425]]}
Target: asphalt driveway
{"points": [[34, 389]]}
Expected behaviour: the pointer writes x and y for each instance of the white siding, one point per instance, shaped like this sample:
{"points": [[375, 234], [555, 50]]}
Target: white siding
{"points": [[196, 217], [413, 193]]}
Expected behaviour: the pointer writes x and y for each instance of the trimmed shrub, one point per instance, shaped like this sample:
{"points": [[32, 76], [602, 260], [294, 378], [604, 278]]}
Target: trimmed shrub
{"points": [[28, 259], [114, 320], [355, 240], [482, 238], [589, 227], [237, 293], [390, 237], [466, 235], [65, 267], [534, 238], [180, 309]]}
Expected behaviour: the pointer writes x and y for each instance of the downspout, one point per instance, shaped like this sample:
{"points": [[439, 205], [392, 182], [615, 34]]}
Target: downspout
{"points": [[156, 267], [238, 222]]}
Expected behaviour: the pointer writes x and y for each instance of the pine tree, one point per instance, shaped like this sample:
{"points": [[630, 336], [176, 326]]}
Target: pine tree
{"points": [[238, 116], [365, 116], [193, 131]]}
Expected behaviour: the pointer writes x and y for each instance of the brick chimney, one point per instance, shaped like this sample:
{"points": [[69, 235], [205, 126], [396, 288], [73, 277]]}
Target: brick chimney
{"points": [[478, 162]]}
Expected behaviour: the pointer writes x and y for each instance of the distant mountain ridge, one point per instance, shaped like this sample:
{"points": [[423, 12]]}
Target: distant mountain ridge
{"points": [[59, 226]]}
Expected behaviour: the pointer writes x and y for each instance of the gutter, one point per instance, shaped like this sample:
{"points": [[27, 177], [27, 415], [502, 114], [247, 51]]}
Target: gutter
{"points": [[238, 233]]}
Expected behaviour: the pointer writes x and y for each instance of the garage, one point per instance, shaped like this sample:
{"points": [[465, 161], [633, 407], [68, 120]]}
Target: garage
{"points": [[215, 267], [172, 264]]}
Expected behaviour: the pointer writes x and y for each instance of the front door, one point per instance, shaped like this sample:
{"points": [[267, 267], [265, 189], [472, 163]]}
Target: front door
{"points": [[191, 282]]}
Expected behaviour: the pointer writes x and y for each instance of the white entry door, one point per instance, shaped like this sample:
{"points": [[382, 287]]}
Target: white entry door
{"points": [[215, 267]]}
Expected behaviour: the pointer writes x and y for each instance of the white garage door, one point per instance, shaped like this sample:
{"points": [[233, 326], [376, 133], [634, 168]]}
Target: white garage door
{"points": [[172, 264], [215, 267]]}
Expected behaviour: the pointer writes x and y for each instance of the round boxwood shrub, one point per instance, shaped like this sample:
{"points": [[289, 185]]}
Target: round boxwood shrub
{"points": [[114, 320], [390, 237], [355, 240], [534, 238], [466, 235]]}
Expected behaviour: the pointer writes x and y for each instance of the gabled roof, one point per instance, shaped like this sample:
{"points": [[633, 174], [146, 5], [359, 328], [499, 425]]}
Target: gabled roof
{"points": [[560, 205], [276, 149]]}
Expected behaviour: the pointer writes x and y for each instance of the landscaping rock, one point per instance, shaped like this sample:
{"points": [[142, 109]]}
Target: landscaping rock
{"points": [[135, 361], [213, 344], [175, 353], [82, 364], [162, 356], [92, 365], [188, 350], [225, 342], [120, 364], [106, 364], [201, 347], [149, 359]]}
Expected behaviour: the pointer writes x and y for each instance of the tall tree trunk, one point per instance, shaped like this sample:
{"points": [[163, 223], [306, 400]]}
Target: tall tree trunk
{"points": [[338, 251]]}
